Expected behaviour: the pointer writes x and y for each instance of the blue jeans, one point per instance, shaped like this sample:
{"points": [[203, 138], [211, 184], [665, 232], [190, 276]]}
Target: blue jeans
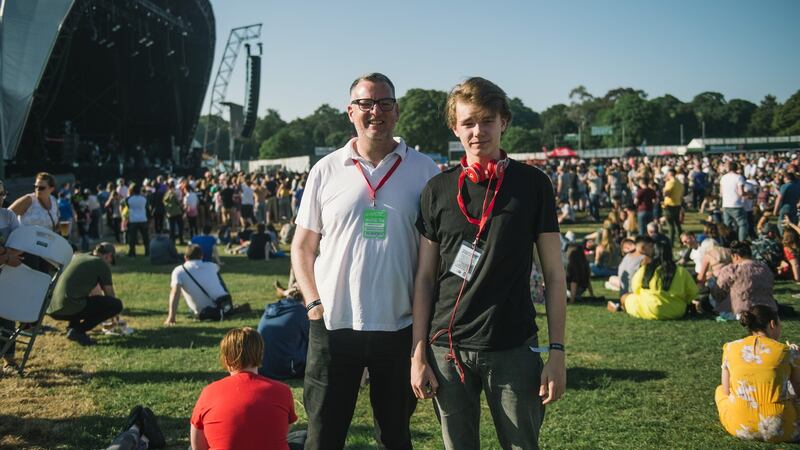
{"points": [[736, 217], [643, 218], [594, 207], [602, 271], [509, 379]]}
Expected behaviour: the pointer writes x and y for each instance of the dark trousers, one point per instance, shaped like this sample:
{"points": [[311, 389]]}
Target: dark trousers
{"points": [[158, 221], [141, 228], [98, 309], [192, 226], [674, 222], [336, 361], [697, 197], [176, 228], [8, 327]]}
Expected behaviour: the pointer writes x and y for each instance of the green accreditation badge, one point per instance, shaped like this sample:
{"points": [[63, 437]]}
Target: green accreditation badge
{"points": [[374, 224]]}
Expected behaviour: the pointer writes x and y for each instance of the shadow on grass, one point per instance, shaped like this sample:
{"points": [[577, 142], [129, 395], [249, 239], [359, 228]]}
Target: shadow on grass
{"points": [[158, 376], [588, 378], [231, 265], [169, 337], [85, 432]]}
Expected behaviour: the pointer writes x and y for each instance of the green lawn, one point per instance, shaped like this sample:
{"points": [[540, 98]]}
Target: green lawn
{"points": [[631, 383]]}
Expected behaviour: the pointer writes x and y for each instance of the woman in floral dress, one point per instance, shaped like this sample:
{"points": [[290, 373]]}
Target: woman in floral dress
{"points": [[760, 376]]}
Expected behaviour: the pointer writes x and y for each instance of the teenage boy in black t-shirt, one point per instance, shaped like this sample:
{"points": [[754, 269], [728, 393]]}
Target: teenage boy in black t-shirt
{"points": [[473, 315]]}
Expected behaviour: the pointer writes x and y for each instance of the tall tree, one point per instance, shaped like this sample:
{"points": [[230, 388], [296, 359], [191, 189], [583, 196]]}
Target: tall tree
{"points": [[739, 112], [709, 108], [787, 117], [555, 124], [632, 115], [520, 140], [522, 116], [422, 120], [268, 125], [761, 120]]}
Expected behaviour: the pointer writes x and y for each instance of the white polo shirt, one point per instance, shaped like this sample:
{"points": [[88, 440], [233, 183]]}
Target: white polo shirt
{"points": [[365, 284], [206, 274]]}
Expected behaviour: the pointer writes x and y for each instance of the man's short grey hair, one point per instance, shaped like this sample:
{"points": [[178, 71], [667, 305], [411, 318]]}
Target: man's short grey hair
{"points": [[374, 77], [652, 226]]}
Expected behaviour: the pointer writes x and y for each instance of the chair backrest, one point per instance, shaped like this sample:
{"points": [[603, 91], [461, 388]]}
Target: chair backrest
{"points": [[41, 242], [24, 291]]}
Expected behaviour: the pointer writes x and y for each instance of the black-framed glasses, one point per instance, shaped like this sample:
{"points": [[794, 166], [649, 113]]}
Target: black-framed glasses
{"points": [[366, 104]]}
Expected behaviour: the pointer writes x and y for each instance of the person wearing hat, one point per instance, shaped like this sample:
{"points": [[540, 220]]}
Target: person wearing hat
{"points": [[72, 297]]}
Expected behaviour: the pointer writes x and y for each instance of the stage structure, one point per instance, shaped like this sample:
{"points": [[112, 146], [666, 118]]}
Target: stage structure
{"points": [[238, 36], [95, 83]]}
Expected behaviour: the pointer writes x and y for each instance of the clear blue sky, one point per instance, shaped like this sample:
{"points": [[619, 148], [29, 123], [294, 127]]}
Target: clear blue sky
{"points": [[536, 50]]}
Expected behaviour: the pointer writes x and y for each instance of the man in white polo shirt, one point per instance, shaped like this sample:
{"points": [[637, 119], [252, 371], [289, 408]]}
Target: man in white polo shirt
{"points": [[731, 187], [354, 255]]}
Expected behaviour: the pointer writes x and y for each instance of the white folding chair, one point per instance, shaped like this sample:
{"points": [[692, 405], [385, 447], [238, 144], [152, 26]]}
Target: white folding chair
{"points": [[25, 292]]}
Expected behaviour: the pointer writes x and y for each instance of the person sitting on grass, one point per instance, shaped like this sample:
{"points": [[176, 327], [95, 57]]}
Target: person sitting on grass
{"points": [[201, 285], [714, 258], [284, 327], [245, 410], [789, 268], [632, 261], [742, 284], [73, 299], [8, 257], [578, 274], [660, 289], [606, 256], [767, 247], [208, 243], [754, 400]]}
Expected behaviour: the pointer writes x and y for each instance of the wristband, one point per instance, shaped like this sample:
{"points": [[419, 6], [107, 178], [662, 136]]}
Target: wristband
{"points": [[313, 305], [557, 346]]}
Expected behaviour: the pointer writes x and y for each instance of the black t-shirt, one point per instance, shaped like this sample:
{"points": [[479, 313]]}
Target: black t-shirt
{"points": [[226, 194], [258, 244], [496, 311]]}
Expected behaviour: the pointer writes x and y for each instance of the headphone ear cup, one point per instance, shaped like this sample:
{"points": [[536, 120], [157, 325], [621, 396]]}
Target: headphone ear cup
{"points": [[491, 169], [473, 175], [500, 169], [477, 169]]}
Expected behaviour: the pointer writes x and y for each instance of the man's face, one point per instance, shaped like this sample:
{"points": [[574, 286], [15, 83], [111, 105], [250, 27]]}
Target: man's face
{"points": [[688, 241], [478, 130], [376, 123]]}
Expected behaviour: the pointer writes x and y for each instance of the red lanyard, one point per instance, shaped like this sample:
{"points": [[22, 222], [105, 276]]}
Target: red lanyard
{"points": [[373, 192], [486, 212]]}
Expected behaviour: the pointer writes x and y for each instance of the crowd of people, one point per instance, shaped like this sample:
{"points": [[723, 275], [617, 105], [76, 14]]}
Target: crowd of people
{"points": [[747, 204], [387, 249]]}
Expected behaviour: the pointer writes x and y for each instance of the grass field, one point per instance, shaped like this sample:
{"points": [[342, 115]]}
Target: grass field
{"points": [[632, 384]]}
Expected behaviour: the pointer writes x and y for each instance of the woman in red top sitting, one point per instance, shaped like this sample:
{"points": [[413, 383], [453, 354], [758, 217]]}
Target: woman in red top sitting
{"points": [[244, 410]]}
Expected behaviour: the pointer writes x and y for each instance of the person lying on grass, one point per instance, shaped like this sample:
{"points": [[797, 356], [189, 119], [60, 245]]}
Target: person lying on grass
{"points": [[660, 289], [754, 399]]}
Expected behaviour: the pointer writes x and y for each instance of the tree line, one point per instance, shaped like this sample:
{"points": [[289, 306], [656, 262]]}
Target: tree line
{"points": [[623, 117]]}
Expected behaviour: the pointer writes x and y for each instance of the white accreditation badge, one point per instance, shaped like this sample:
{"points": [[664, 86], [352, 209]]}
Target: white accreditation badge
{"points": [[466, 260]]}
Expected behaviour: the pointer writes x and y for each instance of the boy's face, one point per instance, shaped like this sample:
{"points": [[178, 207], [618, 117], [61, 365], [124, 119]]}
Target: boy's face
{"points": [[479, 130]]}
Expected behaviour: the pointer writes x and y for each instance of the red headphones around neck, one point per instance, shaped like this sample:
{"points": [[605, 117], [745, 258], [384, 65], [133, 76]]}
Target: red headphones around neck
{"points": [[494, 168]]}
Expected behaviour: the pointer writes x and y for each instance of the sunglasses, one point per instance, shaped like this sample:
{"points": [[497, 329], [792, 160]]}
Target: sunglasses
{"points": [[2, 194], [37, 187]]}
